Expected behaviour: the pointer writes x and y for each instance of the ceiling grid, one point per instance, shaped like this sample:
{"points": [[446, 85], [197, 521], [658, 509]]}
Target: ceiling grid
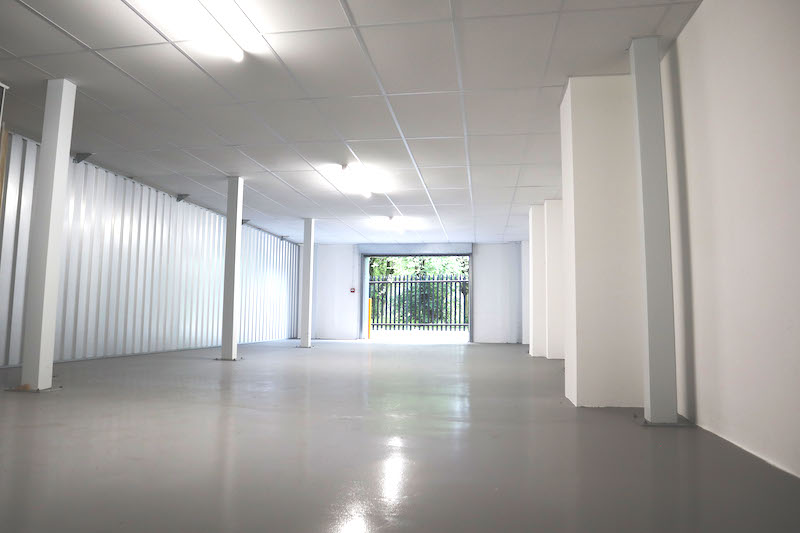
{"points": [[457, 100]]}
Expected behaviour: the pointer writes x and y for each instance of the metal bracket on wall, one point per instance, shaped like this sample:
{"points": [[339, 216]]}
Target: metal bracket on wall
{"points": [[80, 157], [181, 197]]}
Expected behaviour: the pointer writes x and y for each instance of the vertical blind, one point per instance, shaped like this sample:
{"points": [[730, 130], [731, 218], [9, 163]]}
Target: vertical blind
{"points": [[140, 272]]}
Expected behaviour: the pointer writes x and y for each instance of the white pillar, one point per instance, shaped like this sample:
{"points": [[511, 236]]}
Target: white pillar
{"points": [[307, 281], [232, 282], [538, 304], [604, 333], [554, 285], [47, 224], [660, 387]]}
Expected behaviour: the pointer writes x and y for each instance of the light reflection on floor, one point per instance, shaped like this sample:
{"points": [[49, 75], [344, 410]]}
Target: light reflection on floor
{"points": [[360, 437]]}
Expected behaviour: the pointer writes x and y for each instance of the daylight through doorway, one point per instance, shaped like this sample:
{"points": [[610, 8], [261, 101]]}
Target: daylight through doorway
{"points": [[419, 299]]}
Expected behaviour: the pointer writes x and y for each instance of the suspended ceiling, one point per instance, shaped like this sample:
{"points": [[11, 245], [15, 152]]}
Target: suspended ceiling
{"points": [[457, 100]]}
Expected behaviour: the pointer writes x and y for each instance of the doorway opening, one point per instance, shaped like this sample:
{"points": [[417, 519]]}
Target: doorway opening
{"points": [[419, 299]]}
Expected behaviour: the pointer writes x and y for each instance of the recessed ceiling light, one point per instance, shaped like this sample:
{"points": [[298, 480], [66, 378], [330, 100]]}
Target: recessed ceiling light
{"points": [[237, 24], [215, 27], [356, 178]]}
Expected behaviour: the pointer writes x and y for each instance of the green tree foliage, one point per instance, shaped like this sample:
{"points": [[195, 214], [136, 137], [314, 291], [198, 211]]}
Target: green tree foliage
{"points": [[404, 298], [418, 266]]}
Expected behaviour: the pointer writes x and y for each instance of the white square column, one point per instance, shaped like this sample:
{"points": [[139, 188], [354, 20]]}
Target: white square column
{"points": [[660, 385], [47, 225], [306, 283], [538, 281], [554, 279], [604, 331], [232, 282]]}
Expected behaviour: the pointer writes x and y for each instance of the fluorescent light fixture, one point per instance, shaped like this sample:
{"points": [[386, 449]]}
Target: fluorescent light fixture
{"points": [[236, 24], [215, 27], [357, 178]]}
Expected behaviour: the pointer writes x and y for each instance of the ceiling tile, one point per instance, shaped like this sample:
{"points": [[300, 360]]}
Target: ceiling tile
{"points": [[513, 112], [294, 120], [98, 79], [307, 181], [409, 197], [87, 140], [363, 117], [326, 63], [495, 176], [229, 161], [122, 130], [429, 115], [336, 203], [450, 196], [173, 127], [546, 174], [535, 195], [128, 164], [22, 117], [497, 149], [271, 16], [179, 162], [425, 210], [98, 24], [392, 11], [493, 195], [214, 181], [413, 57], [482, 8], [277, 191], [542, 148], [169, 73], [24, 80], [520, 209], [23, 33], [401, 179], [505, 53], [438, 152], [327, 153], [387, 155], [276, 157], [234, 123], [570, 5], [608, 31], [445, 177], [87, 104], [255, 78]]}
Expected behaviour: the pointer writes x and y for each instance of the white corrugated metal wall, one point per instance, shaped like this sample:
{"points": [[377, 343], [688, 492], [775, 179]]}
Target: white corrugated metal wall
{"points": [[140, 272]]}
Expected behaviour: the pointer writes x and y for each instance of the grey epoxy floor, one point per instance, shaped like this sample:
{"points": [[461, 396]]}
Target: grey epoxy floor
{"points": [[353, 438]]}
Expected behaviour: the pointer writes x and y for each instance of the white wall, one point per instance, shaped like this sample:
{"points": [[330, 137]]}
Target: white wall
{"points": [[496, 298], [605, 336], [140, 272], [538, 307], [525, 279], [337, 311], [733, 129], [554, 282]]}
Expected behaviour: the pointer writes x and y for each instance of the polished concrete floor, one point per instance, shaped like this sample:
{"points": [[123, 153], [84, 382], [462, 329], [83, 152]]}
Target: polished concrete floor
{"points": [[358, 437]]}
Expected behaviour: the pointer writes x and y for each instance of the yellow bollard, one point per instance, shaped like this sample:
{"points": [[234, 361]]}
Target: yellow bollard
{"points": [[369, 318]]}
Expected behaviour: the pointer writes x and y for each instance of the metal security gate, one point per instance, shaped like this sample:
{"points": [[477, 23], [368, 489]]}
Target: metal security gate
{"points": [[436, 303]]}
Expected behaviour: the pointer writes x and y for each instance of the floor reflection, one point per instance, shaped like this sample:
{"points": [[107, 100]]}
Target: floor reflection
{"points": [[393, 472]]}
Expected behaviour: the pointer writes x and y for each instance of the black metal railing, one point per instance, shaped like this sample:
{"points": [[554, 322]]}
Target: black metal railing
{"points": [[432, 303]]}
